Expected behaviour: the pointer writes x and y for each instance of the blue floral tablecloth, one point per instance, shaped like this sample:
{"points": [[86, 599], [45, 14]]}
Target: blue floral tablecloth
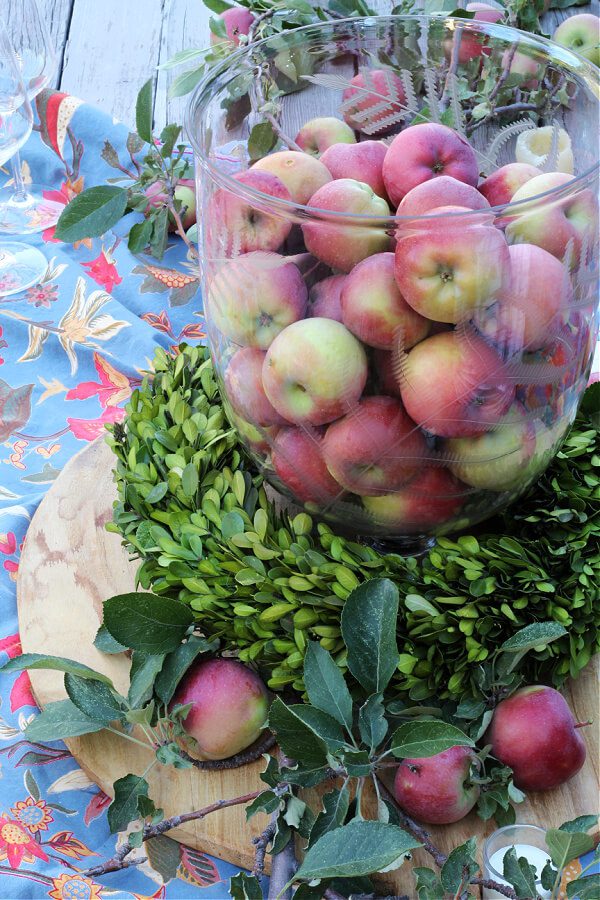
{"points": [[71, 349]]}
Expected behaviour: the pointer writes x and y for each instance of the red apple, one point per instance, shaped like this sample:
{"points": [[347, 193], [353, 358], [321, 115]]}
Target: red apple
{"points": [[375, 95], [472, 45], [324, 299], [301, 173], [237, 21], [500, 187], [441, 191], [363, 162], [244, 387], [430, 499], [320, 133], [436, 790], [237, 225], [534, 732], [297, 458]]}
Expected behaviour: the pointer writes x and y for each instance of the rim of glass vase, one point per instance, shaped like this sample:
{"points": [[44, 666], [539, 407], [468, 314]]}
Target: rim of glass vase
{"points": [[203, 93], [501, 831]]}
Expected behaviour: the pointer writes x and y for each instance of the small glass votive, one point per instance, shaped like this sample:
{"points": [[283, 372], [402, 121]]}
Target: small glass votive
{"points": [[528, 840]]}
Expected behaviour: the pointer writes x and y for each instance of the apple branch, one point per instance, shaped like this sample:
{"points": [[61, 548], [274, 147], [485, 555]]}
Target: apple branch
{"points": [[262, 745], [261, 108]]}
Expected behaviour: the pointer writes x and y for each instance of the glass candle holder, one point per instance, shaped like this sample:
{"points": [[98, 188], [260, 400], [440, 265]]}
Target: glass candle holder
{"points": [[528, 840]]}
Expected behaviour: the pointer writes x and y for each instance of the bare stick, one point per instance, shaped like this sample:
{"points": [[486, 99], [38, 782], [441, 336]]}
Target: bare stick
{"points": [[452, 69], [261, 843]]}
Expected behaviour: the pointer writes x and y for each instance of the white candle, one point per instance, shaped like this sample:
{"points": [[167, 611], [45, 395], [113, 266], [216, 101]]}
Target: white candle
{"points": [[534, 856]]}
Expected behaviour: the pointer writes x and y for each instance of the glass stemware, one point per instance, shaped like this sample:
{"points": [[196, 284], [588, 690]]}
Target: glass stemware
{"points": [[23, 209], [20, 265]]}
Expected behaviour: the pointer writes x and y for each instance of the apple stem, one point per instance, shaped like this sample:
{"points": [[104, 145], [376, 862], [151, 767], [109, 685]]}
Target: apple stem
{"points": [[583, 724]]}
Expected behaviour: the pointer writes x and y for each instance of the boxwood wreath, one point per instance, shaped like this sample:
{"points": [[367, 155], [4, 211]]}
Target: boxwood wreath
{"points": [[194, 509]]}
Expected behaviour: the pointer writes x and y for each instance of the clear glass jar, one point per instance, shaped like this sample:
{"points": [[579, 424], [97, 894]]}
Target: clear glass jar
{"points": [[402, 360], [529, 841]]}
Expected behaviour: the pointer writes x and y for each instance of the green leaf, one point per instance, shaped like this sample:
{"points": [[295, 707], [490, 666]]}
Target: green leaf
{"points": [[168, 137], [323, 725], [243, 886], [416, 603], [185, 82], [143, 112], [160, 232], [358, 848], [144, 669], [261, 140], [548, 876], [94, 698], [58, 721], [428, 885], [57, 663], [217, 6], [460, 866], [371, 721], [295, 737], [231, 524], [189, 480], [325, 684], [538, 634], [147, 622], [586, 888], [178, 662], [267, 802], [91, 213], [139, 236], [32, 785], [125, 807], [335, 809], [580, 824], [416, 740], [519, 873], [105, 642], [565, 846], [368, 624]]}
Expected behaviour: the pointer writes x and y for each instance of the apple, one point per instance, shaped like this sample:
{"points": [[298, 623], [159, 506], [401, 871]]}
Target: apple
{"points": [[534, 732], [244, 387], [341, 245], [297, 458], [314, 371], [301, 173], [525, 67], [441, 191], [454, 385], [185, 193], [375, 311], [257, 438], [430, 499], [236, 225], [449, 265], [324, 299], [561, 225], [237, 21], [375, 448], [362, 162], [374, 96], [436, 790], [580, 33], [320, 133], [472, 44], [422, 152], [229, 707], [252, 298], [534, 145], [500, 186]]}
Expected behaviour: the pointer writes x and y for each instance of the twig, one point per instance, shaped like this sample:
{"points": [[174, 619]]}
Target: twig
{"points": [[494, 886], [111, 866], [252, 753], [261, 843], [259, 21], [505, 72], [452, 69], [261, 102]]}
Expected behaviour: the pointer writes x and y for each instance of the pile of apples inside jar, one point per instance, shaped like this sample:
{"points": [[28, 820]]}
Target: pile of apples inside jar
{"points": [[402, 318]]}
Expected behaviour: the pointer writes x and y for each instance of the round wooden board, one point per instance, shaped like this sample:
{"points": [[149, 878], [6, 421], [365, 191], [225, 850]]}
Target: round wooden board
{"points": [[71, 564]]}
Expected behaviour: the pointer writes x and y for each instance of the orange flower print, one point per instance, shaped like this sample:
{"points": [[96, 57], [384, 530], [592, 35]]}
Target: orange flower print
{"points": [[16, 843], [55, 200], [74, 887], [103, 270], [35, 815]]}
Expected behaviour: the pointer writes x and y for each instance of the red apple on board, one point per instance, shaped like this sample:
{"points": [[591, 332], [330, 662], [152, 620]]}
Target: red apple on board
{"points": [[314, 371], [324, 299], [301, 173], [580, 33], [534, 732], [472, 44], [444, 190], [436, 790], [375, 95], [363, 162], [501, 185], [297, 458], [237, 21], [243, 383], [426, 151], [431, 498], [229, 707], [237, 225], [318, 134]]}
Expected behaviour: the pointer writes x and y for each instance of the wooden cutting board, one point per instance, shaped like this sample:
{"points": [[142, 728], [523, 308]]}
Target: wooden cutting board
{"points": [[70, 564]]}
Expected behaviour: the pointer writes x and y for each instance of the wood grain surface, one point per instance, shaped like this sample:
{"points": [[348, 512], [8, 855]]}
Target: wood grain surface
{"points": [[70, 564]]}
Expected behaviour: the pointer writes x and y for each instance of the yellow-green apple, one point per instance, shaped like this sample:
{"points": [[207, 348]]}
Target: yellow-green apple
{"points": [[426, 151], [237, 21], [297, 458], [528, 312], [244, 387], [252, 298], [342, 244], [301, 173], [374, 309], [318, 134], [437, 790], [501, 185], [534, 145], [376, 96], [535, 733], [239, 225], [562, 225], [498, 459], [472, 44], [184, 193], [580, 33], [454, 384], [449, 265], [363, 162], [441, 191], [229, 705], [314, 371], [375, 448], [257, 438], [324, 299], [429, 500]]}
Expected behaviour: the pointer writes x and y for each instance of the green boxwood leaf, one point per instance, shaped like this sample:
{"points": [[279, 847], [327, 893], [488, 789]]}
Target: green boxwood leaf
{"points": [[143, 112], [144, 669], [91, 213], [368, 624], [297, 739], [325, 684], [586, 888], [565, 846], [358, 848], [333, 815], [58, 721], [125, 807], [460, 866], [178, 662], [147, 622], [94, 698], [519, 873], [57, 663], [417, 740]]}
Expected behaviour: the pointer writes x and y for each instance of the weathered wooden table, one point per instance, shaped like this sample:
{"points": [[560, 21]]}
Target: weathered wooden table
{"points": [[108, 48]]}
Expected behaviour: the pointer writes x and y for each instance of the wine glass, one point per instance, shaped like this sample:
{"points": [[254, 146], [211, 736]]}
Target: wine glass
{"points": [[20, 265], [23, 209]]}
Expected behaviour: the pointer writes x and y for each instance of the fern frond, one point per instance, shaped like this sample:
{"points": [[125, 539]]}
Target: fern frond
{"points": [[431, 96], [490, 157]]}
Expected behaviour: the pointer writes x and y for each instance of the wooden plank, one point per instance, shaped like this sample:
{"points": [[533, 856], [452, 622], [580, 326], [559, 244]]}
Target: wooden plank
{"points": [[57, 15]]}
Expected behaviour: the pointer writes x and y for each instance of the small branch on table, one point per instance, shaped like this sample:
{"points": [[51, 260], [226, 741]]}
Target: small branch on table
{"points": [[113, 865], [261, 843]]}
